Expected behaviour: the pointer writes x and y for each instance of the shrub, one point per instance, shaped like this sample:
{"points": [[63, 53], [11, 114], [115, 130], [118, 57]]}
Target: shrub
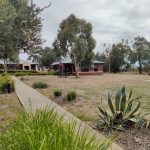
{"points": [[39, 85], [45, 130], [21, 74], [16, 71], [71, 95], [121, 111], [54, 72], [6, 84], [57, 93], [4, 74]]}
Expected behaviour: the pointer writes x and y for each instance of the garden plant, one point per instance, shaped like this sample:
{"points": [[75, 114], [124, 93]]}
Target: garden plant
{"points": [[123, 111], [39, 85], [7, 85], [45, 130]]}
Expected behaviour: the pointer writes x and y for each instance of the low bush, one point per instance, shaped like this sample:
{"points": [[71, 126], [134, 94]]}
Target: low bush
{"points": [[53, 72], [7, 85], [39, 85], [71, 95], [16, 71], [123, 111], [21, 74], [44, 130], [38, 73], [57, 93], [25, 72], [4, 74]]}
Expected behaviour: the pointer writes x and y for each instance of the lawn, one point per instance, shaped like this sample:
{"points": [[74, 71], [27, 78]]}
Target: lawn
{"points": [[9, 107], [91, 89]]}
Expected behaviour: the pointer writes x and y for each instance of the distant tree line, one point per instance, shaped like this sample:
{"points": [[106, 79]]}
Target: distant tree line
{"points": [[20, 30], [75, 38], [124, 56]]}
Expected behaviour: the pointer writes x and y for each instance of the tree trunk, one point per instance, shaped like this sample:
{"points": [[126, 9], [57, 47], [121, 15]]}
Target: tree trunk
{"points": [[109, 68], [140, 68], [76, 66], [77, 70], [139, 59], [109, 65], [5, 65]]}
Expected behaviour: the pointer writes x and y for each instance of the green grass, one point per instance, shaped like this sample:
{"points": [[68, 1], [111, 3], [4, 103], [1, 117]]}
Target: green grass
{"points": [[9, 107], [46, 130]]}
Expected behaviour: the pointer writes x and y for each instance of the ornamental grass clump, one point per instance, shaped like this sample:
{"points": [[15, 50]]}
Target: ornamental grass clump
{"points": [[123, 111], [71, 95], [7, 85], [45, 130], [57, 93], [39, 85]]}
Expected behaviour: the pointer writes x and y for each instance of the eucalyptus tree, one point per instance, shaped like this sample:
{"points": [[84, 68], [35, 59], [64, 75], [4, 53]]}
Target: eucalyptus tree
{"points": [[8, 39], [140, 52], [74, 38], [119, 56], [20, 28], [47, 57]]}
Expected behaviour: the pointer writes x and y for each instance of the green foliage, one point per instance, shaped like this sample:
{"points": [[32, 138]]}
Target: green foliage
{"points": [[4, 74], [25, 72], [118, 56], [75, 37], [122, 112], [45, 130], [48, 56], [5, 83], [53, 72], [21, 74], [71, 95], [20, 26], [140, 52], [18, 71], [8, 38], [57, 93], [39, 85]]}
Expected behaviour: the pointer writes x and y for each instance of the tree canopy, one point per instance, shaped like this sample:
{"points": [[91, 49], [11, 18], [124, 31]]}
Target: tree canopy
{"points": [[75, 38], [48, 56], [140, 52], [20, 26]]}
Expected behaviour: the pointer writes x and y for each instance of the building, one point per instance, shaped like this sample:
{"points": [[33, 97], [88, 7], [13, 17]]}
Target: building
{"points": [[22, 65], [67, 66]]}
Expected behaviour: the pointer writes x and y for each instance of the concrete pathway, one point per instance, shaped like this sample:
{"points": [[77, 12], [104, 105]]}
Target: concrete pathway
{"points": [[31, 98]]}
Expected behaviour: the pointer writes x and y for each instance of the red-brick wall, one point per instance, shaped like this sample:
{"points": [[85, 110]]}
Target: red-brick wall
{"points": [[100, 67]]}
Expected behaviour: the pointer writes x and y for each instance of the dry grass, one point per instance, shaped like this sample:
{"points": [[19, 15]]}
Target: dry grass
{"points": [[91, 89], [9, 107]]}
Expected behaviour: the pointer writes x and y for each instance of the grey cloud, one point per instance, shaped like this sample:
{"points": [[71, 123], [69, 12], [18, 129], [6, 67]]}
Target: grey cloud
{"points": [[112, 20]]}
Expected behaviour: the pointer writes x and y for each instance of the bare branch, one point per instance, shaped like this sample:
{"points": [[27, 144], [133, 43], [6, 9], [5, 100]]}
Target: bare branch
{"points": [[46, 6]]}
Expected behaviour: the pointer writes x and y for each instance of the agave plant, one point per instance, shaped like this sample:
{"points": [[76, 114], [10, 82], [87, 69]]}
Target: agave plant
{"points": [[122, 110]]}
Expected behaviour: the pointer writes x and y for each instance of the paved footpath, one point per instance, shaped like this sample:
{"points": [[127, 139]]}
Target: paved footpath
{"points": [[31, 98]]}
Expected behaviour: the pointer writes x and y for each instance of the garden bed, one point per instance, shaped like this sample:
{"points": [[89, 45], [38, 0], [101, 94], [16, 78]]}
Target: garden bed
{"points": [[90, 90]]}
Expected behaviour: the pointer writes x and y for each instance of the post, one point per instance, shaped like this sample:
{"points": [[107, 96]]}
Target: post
{"points": [[9, 87]]}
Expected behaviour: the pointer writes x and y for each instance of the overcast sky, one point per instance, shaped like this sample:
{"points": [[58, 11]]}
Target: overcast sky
{"points": [[112, 20]]}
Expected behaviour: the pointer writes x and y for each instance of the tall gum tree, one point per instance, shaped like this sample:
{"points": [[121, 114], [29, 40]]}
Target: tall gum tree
{"points": [[20, 28], [140, 52], [8, 39], [74, 38]]}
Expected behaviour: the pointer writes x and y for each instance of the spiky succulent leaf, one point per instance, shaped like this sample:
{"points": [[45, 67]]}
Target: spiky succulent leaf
{"points": [[117, 99], [132, 113], [123, 103], [111, 104], [130, 104], [130, 95]]}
